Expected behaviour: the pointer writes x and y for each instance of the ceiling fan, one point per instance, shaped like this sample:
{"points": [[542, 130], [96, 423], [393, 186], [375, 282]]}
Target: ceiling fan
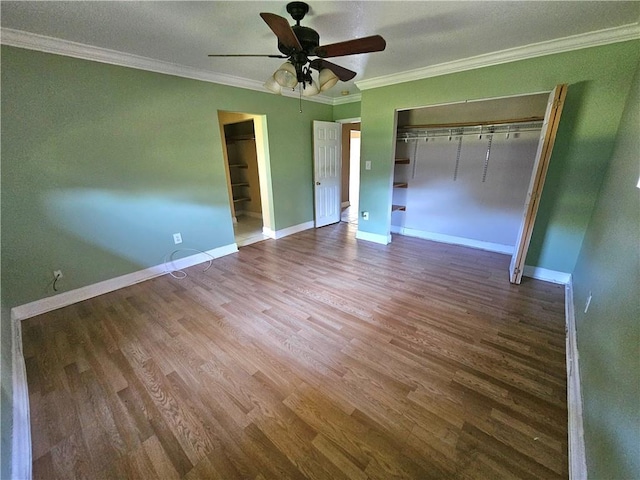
{"points": [[297, 44]]}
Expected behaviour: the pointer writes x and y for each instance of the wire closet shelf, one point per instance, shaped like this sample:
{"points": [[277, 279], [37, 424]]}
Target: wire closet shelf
{"points": [[415, 133]]}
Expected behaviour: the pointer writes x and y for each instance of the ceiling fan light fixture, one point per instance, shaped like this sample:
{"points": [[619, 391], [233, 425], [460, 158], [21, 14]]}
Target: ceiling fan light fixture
{"points": [[273, 86], [327, 79], [310, 89], [286, 75], [298, 43]]}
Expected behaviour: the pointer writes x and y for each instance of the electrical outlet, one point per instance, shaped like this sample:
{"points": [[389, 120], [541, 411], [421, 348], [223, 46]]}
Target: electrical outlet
{"points": [[177, 238], [365, 215], [367, 165], [57, 274]]}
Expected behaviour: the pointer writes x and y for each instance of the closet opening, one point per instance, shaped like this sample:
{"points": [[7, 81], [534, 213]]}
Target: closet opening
{"points": [[470, 173], [245, 155]]}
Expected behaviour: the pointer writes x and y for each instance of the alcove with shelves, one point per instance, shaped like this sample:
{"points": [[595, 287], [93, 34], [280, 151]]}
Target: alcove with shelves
{"points": [[239, 183], [243, 169], [401, 173]]}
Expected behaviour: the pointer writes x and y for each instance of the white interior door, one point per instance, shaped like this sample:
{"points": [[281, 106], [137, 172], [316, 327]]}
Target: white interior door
{"points": [[540, 167], [327, 176]]}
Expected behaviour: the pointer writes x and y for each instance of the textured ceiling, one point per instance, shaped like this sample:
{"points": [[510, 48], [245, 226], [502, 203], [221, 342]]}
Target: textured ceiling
{"points": [[418, 33]]}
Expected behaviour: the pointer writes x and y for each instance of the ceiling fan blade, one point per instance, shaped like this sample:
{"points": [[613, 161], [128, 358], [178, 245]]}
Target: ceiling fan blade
{"points": [[246, 55], [342, 73], [280, 26], [375, 43]]}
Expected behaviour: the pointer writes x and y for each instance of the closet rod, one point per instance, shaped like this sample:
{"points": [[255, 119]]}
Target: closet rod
{"points": [[512, 128], [473, 124]]}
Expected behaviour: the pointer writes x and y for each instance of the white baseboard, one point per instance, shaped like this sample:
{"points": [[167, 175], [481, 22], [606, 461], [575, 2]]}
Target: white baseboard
{"points": [[373, 237], [21, 454], [251, 240], [466, 242], [83, 293], [275, 234], [268, 232], [577, 454], [547, 275]]}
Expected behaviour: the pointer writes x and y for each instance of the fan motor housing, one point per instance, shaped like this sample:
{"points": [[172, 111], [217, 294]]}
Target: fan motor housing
{"points": [[308, 38]]}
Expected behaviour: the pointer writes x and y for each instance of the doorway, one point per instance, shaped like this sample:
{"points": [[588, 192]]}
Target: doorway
{"points": [[245, 155], [350, 172], [472, 172]]}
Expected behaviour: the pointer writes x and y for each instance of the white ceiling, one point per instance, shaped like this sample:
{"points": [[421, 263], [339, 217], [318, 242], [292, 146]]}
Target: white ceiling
{"points": [[419, 34]]}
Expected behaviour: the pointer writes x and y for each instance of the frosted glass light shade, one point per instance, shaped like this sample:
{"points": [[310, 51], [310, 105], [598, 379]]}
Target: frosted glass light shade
{"points": [[286, 75], [310, 89], [327, 79], [272, 85]]}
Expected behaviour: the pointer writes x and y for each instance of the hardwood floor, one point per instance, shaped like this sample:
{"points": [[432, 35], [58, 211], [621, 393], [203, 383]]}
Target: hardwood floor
{"points": [[314, 356]]}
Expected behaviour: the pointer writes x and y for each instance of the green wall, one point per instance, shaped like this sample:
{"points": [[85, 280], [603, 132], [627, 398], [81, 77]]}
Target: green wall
{"points": [[599, 79], [102, 164], [346, 111], [609, 333]]}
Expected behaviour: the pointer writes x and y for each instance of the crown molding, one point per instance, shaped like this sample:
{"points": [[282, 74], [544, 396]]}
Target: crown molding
{"points": [[42, 43], [354, 97], [566, 44]]}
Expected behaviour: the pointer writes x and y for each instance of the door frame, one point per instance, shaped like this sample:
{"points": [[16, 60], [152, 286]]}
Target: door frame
{"points": [[264, 167], [348, 125]]}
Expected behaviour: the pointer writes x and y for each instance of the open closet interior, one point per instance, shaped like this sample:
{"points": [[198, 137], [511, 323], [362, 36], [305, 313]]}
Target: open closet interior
{"points": [[462, 170], [243, 167], [243, 181]]}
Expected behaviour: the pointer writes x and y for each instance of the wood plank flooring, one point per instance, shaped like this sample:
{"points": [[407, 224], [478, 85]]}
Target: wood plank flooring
{"points": [[314, 356]]}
